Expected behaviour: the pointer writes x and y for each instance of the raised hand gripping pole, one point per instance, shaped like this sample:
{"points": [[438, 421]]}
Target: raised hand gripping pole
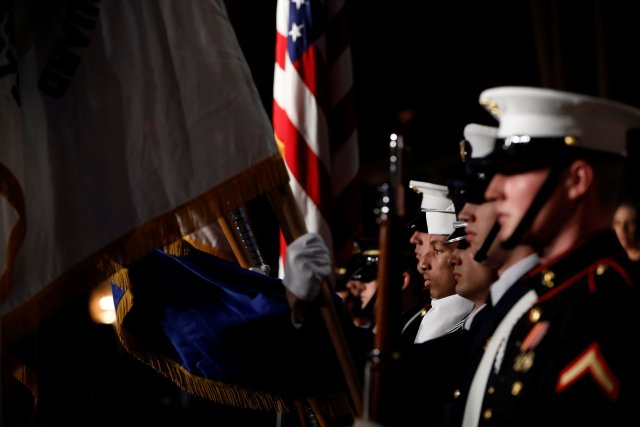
{"points": [[293, 226]]}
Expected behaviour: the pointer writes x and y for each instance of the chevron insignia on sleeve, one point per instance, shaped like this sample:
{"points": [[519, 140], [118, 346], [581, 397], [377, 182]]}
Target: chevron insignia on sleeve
{"points": [[592, 362]]}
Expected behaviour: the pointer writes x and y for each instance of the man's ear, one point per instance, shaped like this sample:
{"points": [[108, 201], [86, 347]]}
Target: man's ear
{"points": [[406, 280], [580, 179]]}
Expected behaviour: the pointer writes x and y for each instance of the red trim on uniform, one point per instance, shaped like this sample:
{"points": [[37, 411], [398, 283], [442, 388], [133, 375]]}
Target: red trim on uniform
{"points": [[534, 271], [611, 263], [554, 260], [590, 280], [621, 271], [560, 288], [590, 361]]}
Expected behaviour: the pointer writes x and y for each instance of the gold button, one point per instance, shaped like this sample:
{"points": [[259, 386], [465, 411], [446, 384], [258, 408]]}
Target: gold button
{"points": [[534, 314], [570, 140], [456, 394], [487, 414], [491, 390], [600, 269], [516, 388], [523, 361], [547, 279]]}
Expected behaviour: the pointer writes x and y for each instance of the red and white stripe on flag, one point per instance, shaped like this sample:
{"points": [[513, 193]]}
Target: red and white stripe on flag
{"points": [[314, 116]]}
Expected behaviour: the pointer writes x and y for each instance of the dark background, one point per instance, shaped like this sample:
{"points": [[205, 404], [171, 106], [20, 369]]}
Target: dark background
{"points": [[427, 61]]}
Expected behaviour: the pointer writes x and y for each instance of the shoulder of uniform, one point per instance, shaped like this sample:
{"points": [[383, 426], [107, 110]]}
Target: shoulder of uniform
{"points": [[607, 271], [604, 271]]}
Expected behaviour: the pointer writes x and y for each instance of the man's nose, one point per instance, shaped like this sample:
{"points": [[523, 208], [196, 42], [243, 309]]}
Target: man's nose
{"points": [[424, 264]]}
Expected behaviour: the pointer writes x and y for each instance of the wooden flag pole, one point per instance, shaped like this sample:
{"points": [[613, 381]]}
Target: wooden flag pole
{"points": [[292, 225], [234, 241]]}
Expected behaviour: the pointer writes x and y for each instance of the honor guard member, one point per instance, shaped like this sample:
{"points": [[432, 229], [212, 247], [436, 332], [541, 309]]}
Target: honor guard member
{"points": [[350, 290], [448, 309], [427, 370], [430, 196], [472, 279], [417, 226], [365, 280], [567, 360], [434, 369], [481, 230]]}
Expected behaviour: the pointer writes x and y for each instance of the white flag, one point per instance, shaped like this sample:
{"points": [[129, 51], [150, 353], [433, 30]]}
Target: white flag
{"points": [[125, 125]]}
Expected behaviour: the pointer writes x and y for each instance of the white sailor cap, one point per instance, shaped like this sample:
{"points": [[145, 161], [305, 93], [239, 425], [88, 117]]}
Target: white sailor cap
{"points": [[434, 196], [476, 150], [437, 209], [431, 194], [554, 121], [481, 139], [441, 221]]}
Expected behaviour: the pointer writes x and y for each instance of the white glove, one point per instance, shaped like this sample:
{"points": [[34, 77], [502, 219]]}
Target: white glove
{"points": [[307, 264]]}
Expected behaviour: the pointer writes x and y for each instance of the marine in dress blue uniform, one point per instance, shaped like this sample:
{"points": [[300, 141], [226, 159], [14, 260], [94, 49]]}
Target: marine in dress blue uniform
{"points": [[568, 360]]}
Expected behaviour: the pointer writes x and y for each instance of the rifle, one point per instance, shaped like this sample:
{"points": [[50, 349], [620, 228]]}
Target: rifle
{"points": [[389, 281]]}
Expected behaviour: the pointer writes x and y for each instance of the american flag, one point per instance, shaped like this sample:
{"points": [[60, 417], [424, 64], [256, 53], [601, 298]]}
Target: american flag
{"points": [[314, 117]]}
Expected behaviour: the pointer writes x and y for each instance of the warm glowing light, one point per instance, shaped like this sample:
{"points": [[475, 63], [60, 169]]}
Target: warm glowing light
{"points": [[108, 317], [106, 303], [101, 306]]}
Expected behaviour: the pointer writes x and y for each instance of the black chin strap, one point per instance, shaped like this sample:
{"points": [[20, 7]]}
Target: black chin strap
{"points": [[541, 198], [481, 255]]}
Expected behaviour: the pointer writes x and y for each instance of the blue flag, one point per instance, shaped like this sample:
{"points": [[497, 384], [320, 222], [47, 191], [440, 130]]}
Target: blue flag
{"points": [[224, 333]]}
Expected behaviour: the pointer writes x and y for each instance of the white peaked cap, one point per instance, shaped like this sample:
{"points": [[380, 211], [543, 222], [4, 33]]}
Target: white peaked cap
{"points": [[481, 138], [434, 196], [439, 210], [594, 123], [441, 222]]}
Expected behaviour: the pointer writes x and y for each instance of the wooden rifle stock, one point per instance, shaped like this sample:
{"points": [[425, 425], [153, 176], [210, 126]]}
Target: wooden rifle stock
{"points": [[389, 285]]}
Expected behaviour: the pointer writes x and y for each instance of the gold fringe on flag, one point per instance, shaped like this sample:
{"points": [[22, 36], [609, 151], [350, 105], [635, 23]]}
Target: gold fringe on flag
{"points": [[219, 392]]}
